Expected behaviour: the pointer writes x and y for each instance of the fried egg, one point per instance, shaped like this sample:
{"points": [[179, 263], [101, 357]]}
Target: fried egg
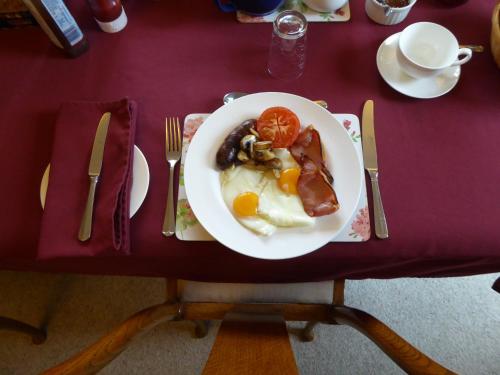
{"points": [[260, 201]]}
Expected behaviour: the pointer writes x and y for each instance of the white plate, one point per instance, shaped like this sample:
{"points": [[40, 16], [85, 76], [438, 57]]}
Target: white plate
{"points": [[140, 182], [201, 178], [423, 88]]}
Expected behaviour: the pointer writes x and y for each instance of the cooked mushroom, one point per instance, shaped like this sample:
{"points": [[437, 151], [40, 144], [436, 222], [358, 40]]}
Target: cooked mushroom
{"points": [[263, 155], [262, 145], [247, 143], [242, 156], [254, 132]]}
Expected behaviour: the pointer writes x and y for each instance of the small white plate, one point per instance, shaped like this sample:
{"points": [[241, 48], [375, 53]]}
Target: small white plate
{"points": [[140, 182], [202, 178], [423, 88]]}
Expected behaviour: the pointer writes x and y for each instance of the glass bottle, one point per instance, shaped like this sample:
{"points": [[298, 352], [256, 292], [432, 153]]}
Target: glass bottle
{"points": [[58, 23], [109, 14], [287, 54]]}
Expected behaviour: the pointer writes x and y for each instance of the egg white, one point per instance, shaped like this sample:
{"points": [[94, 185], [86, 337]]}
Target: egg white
{"points": [[282, 209], [286, 158], [238, 180], [276, 208]]}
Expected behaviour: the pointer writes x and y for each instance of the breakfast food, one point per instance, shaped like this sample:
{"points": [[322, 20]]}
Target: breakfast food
{"points": [[273, 174], [315, 182], [227, 153], [278, 125], [258, 201]]}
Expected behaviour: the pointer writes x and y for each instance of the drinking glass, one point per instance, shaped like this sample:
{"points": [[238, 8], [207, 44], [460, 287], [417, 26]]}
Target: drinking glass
{"points": [[287, 53]]}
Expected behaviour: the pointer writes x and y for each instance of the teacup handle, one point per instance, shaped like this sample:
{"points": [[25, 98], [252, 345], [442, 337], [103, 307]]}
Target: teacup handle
{"points": [[467, 54], [229, 7]]}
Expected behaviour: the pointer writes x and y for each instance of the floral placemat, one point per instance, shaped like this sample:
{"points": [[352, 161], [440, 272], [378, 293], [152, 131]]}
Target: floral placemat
{"points": [[340, 15], [189, 229]]}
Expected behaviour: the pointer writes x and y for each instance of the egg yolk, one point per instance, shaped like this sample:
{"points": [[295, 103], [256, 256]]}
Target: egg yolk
{"points": [[245, 204], [288, 180]]}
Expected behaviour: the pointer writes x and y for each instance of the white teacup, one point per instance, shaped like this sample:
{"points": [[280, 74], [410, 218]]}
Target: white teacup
{"points": [[325, 5], [426, 49]]}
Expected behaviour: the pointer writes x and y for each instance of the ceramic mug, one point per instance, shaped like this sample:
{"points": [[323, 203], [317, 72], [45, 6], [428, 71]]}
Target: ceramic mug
{"points": [[251, 7], [325, 5], [426, 49], [386, 15]]}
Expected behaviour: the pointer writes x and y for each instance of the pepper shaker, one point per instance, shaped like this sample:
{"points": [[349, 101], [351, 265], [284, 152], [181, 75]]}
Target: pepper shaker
{"points": [[287, 53]]}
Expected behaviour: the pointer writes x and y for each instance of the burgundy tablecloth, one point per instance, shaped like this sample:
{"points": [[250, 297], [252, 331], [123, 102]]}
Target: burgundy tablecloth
{"points": [[439, 159]]}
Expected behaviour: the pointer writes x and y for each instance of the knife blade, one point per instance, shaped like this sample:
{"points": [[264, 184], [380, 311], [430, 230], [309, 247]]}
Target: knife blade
{"points": [[94, 172], [371, 166]]}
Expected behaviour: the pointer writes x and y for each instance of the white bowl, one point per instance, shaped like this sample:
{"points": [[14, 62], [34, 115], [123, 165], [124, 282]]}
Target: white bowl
{"points": [[385, 15]]}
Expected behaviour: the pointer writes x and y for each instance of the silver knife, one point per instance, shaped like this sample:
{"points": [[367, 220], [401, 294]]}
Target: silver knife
{"points": [[371, 165], [94, 172]]}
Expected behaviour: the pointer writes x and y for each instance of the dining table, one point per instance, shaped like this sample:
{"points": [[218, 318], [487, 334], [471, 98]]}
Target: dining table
{"points": [[438, 158]]}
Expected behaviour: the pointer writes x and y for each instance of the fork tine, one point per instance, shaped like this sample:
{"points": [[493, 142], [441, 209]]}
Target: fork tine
{"points": [[179, 138], [166, 134], [171, 134], [174, 133]]}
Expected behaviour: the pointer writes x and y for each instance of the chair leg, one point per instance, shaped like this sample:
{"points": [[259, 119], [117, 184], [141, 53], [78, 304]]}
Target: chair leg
{"points": [[201, 328], [496, 285], [38, 335], [172, 294], [307, 333]]}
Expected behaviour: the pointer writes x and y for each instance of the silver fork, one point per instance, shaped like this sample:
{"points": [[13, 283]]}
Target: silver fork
{"points": [[173, 150]]}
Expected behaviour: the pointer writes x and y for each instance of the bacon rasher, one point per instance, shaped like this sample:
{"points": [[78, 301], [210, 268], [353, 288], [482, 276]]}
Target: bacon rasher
{"points": [[315, 181], [308, 143]]}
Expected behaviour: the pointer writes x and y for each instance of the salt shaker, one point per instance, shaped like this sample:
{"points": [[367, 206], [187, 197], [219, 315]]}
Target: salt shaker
{"points": [[287, 54]]}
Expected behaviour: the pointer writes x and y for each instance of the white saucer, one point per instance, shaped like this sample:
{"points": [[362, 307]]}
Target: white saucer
{"points": [[140, 182], [423, 88]]}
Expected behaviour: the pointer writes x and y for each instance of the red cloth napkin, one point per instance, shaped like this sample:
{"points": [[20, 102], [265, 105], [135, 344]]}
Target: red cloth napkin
{"points": [[69, 181]]}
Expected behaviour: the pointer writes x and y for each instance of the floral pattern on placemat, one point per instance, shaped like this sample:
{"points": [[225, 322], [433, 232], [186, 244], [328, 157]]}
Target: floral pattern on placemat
{"points": [[189, 229], [355, 136], [361, 225], [185, 216], [340, 15], [191, 126]]}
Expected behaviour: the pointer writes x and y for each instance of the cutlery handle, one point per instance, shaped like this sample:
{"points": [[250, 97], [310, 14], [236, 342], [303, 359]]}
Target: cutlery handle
{"points": [[86, 224], [378, 214], [473, 47], [169, 221]]}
